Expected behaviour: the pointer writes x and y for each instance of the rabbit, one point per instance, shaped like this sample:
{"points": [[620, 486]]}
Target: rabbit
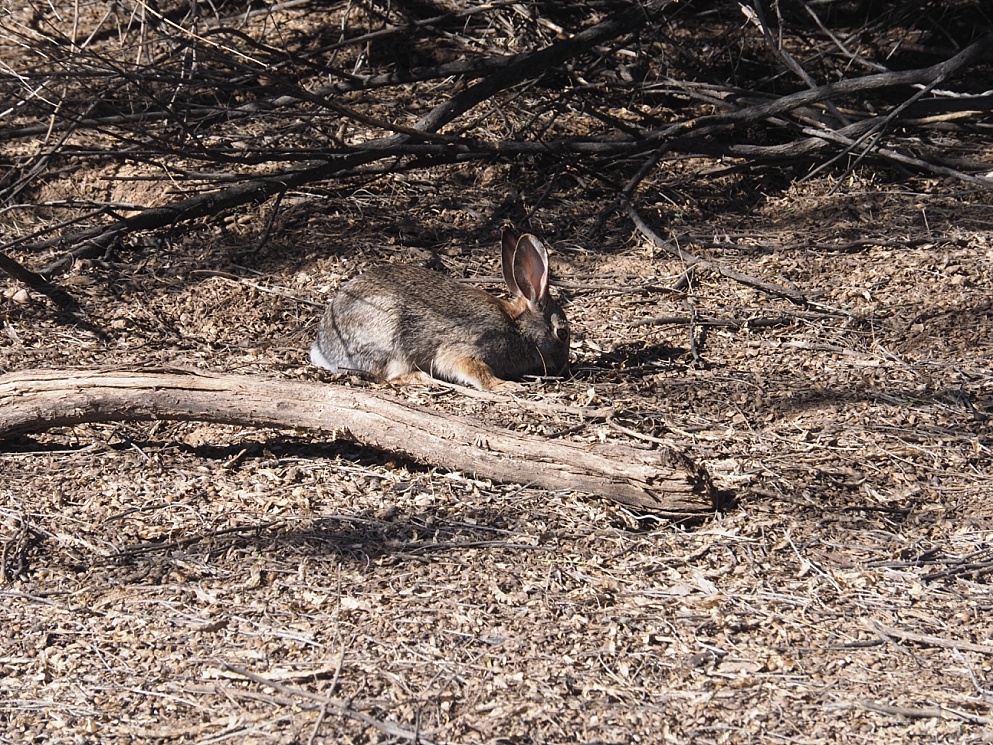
{"points": [[405, 324]]}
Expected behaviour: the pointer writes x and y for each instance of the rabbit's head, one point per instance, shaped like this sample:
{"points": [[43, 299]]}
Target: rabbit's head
{"points": [[540, 318]]}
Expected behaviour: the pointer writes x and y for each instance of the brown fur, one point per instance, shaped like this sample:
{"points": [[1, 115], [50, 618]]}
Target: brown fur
{"points": [[397, 320]]}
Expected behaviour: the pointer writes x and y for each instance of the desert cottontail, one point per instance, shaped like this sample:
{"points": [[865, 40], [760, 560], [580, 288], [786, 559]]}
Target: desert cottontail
{"points": [[404, 323]]}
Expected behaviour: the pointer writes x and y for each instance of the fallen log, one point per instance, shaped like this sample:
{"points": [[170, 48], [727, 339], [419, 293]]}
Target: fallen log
{"points": [[662, 482]]}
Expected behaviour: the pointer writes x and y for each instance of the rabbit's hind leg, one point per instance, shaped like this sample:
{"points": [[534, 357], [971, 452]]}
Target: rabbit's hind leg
{"points": [[465, 369]]}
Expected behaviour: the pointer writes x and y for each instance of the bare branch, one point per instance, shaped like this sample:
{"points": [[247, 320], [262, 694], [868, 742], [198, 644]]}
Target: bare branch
{"points": [[659, 481]]}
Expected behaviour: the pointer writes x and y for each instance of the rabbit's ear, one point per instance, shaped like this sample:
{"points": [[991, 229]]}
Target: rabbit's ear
{"points": [[531, 269], [507, 261]]}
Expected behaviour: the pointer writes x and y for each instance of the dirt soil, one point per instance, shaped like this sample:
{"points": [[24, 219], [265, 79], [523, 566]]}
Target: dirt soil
{"points": [[186, 582]]}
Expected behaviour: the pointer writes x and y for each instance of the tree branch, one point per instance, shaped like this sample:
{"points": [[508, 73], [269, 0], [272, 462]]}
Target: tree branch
{"points": [[691, 260], [658, 481]]}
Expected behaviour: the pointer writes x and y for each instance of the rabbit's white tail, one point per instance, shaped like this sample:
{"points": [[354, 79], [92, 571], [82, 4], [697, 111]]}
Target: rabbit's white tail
{"points": [[317, 357]]}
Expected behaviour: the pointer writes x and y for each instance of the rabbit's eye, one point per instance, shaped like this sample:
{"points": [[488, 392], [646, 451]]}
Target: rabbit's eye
{"points": [[561, 333]]}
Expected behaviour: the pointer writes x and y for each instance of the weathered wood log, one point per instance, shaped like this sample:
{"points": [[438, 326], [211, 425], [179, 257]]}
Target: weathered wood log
{"points": [[658, 481]]}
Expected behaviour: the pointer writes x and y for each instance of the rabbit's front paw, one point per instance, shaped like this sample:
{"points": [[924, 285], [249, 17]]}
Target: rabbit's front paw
{"points": [[507, 386], [416, 377]]}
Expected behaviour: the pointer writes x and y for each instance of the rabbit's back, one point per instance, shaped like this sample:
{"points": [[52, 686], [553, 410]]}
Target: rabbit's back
{"points": [[397, 319], [355, 326]]}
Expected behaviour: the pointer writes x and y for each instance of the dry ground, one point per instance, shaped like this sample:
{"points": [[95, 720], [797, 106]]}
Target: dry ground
{"points": [[152, 572], [180, 583]]}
